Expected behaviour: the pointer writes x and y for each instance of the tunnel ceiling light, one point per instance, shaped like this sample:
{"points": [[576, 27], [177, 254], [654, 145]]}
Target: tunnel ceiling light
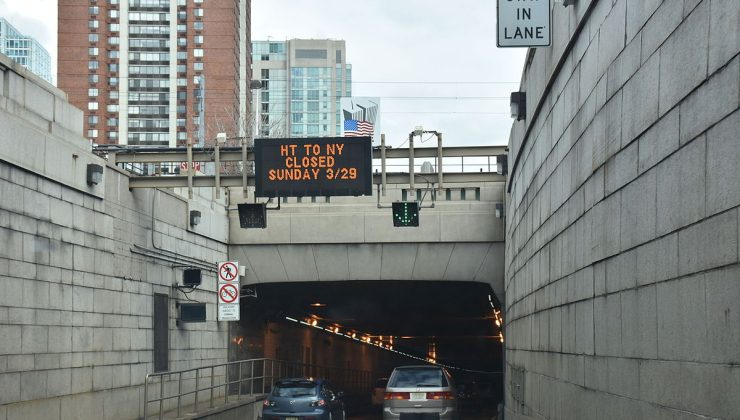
{"points": [[318, 304]]}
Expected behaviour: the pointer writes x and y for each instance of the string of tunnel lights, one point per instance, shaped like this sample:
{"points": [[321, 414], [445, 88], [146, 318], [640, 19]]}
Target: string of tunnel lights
{"points": [[313, 322]]}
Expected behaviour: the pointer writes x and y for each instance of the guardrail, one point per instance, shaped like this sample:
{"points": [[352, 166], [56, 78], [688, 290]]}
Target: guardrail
{"points": [[175, 390]]}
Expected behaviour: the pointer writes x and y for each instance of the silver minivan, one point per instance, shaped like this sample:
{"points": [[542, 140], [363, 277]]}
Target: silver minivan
{"points": [[424, 392]]}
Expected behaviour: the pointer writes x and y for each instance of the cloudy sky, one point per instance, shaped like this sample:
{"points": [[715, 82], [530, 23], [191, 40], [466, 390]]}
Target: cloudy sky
{"points": [[433, 63]]}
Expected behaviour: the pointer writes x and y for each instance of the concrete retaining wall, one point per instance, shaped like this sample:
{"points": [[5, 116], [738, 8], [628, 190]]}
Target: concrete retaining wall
{"points": [[622, 230], [79, 265]]}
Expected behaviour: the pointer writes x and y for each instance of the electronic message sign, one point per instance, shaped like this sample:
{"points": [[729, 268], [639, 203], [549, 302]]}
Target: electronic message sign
{"points": [[326, 166]]}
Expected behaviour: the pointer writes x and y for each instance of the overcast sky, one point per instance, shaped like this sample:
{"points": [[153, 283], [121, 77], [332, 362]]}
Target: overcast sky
{"points": [[439, 49]]}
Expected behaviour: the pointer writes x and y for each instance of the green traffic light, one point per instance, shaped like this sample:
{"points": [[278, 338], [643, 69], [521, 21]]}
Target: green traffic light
{"points": [[405, 214]]}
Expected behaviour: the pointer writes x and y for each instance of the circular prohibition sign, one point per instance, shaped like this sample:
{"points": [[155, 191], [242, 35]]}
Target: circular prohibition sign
{"points": [[228, 293], [228, 271]]}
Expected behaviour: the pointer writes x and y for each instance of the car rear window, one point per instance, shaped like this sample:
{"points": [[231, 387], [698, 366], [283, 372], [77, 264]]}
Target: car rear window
{"points": [[295, 389], [418, 377]]}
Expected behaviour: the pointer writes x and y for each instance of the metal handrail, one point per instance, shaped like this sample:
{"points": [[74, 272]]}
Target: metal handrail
{"points": [[355, 378]]}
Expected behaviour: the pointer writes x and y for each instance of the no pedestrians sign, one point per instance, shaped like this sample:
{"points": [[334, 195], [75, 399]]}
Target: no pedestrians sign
{"points": [[523, 23]]}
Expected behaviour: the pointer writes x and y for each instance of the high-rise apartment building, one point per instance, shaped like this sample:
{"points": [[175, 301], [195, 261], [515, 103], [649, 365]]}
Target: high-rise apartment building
{"points": [[302, 83], [156, 72], [24, 50]]}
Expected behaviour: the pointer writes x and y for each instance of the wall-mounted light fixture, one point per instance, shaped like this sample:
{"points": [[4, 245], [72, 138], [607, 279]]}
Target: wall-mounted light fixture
{"points": [[499, 210], [567, 3], [518, 105], [94, 174], [194, 218]]}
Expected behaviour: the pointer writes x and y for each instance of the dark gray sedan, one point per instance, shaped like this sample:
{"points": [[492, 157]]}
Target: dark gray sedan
{"points": [[303, 399]]}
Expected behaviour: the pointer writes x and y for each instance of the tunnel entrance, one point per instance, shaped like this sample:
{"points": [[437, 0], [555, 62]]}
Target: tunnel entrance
{"points": [[375, 326]]}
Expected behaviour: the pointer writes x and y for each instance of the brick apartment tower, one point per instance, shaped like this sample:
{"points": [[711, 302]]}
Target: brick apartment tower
{"points": [[156, 72]]}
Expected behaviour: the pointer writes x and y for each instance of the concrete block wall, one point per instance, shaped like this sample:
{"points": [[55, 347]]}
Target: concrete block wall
{"points": [[622, 274], [79, 265]]}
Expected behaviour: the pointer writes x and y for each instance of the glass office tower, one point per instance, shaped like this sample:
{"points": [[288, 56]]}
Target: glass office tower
{"points": [[24, 50], [302, 83]]}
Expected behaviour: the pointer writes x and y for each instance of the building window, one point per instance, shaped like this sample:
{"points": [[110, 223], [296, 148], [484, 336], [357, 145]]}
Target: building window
{"points": [[112, 108], [92, 65], [113, 54], [114, 40], [198, 13], [198, 39], [92, 51], [182, 82], [93, 24], [113, 81], [113, 14], [92, 37], [113, 67], [182, 55], [92, 133], [112, 122], [182, 42], [114, 27], [182, 28], [93, 78], [93, 10], [198, 66], [92, 92], [198, 26], [113, 94], [92, 106], [198, 52], [92, 120], [113, 135]]}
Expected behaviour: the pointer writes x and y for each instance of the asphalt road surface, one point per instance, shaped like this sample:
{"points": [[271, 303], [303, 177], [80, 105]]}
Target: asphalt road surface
{"points": [[468, 414]]}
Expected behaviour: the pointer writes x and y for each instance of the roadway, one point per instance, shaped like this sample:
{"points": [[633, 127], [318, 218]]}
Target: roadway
{"points": [[470, 414]]}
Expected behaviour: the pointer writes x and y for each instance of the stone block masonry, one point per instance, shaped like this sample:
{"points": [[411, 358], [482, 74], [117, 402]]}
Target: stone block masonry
{"points": [[652, 217], [76, 299]]}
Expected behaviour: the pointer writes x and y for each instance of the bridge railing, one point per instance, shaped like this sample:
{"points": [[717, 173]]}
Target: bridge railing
{"points": [[208, 386]]}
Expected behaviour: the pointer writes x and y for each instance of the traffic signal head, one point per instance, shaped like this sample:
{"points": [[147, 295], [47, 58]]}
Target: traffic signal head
{"points": [[405, 213], [253, 215]]}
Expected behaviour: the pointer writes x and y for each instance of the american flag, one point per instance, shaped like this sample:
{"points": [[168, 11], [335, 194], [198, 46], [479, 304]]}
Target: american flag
{"points": [[354, 128]]}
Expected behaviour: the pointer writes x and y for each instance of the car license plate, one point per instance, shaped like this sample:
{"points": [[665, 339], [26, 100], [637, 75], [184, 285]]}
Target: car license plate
{"points": [[415, 396], [291, 418]]}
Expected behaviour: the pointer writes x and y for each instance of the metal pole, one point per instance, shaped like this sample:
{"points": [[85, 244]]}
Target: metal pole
{"points": [[212, 373], [161, 395], [197, 387], [179, 394], [439, 161], [411, 165], [382, 162], [146, 395], [239, 392], [244, 167], [251, 375], [217, 169], [190, 170]]}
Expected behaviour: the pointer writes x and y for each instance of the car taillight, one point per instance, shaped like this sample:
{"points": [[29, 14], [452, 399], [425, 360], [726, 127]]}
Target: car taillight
{"points": [[397, 395], [440, 395], [318, 403], [269, 403]]}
